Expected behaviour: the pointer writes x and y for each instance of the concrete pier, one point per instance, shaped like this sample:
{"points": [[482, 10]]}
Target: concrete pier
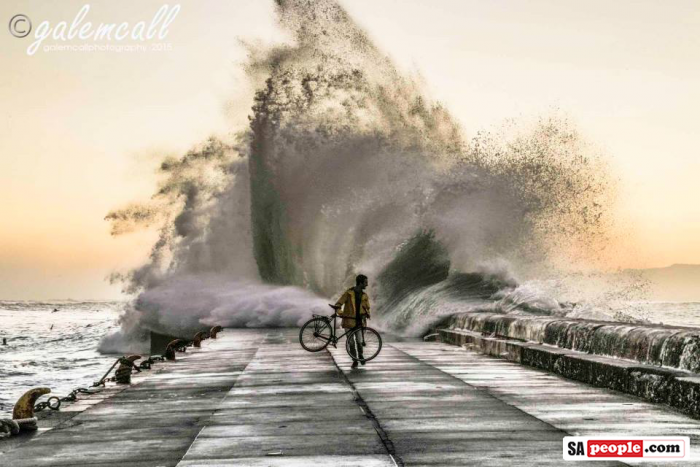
{"points": [[255, 398]]}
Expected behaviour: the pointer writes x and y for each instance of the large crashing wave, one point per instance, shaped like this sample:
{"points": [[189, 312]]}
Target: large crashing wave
{"points": [[347, 167]]}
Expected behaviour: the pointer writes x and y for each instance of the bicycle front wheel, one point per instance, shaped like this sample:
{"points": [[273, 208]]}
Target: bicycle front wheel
{"points": [[315, 334], [363, 344]]}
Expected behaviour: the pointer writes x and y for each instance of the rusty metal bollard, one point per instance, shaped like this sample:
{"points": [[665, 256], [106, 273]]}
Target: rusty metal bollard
{"points": [[170, 349], [123, 373], [23, 413], [197, 341], [214, 331]]}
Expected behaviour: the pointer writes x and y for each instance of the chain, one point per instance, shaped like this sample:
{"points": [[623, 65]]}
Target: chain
{"points": [[146, 364], [54, 402], [127, 362]]}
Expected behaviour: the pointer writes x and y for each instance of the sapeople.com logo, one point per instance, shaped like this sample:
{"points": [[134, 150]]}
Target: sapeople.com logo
{"points": [[579, 448], [157, 28]]}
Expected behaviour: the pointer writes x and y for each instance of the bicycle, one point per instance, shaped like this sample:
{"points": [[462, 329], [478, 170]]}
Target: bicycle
{"points": [[317, 333]]}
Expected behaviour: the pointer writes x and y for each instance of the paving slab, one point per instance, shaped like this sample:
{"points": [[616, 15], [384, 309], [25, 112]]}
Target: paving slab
{"points": [[152, 422], [256, 398], [574, 407], [298, 461], [472, 421], [288, 405]]}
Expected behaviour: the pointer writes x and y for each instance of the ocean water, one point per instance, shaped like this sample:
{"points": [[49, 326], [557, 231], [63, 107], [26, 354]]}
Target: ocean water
{"points": [[670, 313], [55, 349]]}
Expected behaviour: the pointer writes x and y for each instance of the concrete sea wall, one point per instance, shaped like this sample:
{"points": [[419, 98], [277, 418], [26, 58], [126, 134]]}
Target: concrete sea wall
{"points": [[657, 345], [656, 363]]}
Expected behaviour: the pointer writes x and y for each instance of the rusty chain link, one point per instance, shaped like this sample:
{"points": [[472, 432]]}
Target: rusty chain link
{"points": [[54, 402]]}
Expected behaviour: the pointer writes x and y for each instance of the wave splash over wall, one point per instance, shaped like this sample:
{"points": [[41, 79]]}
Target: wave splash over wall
{"points": [[348, 166]]}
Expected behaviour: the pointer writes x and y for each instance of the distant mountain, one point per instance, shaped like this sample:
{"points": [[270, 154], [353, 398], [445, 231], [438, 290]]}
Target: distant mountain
{"points": [[678, 282]]}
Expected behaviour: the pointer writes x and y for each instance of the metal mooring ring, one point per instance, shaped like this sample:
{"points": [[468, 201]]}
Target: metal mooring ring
{"points": [[54, 403]]}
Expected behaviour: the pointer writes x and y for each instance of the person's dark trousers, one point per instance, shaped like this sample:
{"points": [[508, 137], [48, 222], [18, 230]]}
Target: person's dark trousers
{"points": [[356, 344]]}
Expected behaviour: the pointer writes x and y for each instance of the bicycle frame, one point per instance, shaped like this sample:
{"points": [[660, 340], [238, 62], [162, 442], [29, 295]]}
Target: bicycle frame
{"points": [[334, 339]]}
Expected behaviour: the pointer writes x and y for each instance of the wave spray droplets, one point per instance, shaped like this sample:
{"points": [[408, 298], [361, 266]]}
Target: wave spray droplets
{"points": [[346, 167]]}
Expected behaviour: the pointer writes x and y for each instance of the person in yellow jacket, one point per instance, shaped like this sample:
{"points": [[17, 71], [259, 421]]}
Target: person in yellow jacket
{"points": [[355, 311]]}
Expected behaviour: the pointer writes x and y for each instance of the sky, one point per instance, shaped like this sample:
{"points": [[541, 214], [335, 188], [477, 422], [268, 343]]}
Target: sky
{"points": [[81, 132]]}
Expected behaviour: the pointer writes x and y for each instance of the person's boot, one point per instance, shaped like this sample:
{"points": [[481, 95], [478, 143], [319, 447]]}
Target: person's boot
{"points": [[354, 364], [362, 361]]}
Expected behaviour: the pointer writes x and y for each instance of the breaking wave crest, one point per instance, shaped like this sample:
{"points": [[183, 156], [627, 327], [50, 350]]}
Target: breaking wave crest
{"points": [[347, 166]]}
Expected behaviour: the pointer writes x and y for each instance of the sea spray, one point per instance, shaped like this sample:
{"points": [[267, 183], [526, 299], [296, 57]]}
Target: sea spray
{"points": [[348, 167]]}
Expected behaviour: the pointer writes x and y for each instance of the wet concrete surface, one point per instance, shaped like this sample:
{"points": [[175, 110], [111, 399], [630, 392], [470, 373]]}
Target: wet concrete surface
{"points": [[256, 398]]}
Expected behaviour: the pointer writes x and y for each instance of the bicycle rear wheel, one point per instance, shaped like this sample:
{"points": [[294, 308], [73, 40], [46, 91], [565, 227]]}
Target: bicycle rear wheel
{"points": [[315, 334], [363, 344]]}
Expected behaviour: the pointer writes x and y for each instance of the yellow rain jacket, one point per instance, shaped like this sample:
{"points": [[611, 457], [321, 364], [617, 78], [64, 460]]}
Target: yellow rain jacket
{"points": [[347, 301]]}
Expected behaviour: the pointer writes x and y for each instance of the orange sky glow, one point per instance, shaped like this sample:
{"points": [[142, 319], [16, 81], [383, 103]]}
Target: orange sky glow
{"points": [[81, 133]]}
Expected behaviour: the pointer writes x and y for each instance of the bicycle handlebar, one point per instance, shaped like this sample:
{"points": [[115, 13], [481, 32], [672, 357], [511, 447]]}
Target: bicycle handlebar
{"points": [[335, 311]]}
